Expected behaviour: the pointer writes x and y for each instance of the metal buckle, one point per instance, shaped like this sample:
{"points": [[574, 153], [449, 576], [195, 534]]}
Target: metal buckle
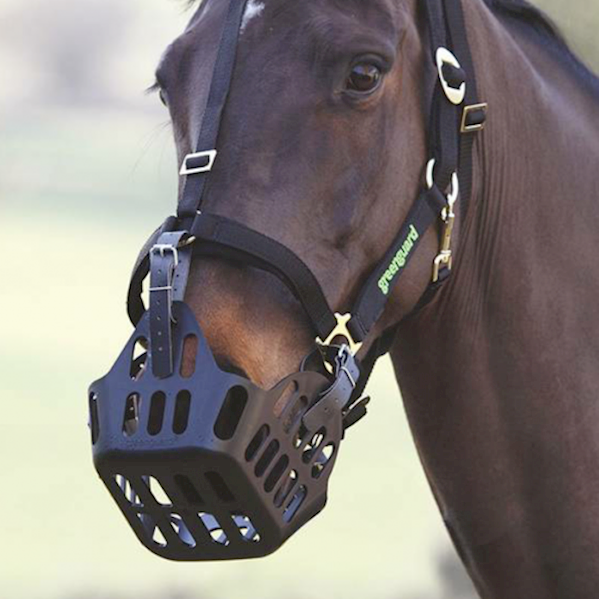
{"points": [[210, 154], [163, 248], [445, 256], [454, 95], [341, 329], [464, 127]]}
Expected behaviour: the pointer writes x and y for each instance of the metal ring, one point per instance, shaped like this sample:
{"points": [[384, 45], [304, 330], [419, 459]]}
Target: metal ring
{"points": [[455, 95], [454, 192]]}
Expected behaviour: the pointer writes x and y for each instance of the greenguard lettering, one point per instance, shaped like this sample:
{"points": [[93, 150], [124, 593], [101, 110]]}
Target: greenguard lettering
{"points": [[399, 260]]}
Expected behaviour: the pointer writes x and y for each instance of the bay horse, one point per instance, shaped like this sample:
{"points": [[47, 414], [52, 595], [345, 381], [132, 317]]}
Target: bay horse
{"points": [[499, 374]]}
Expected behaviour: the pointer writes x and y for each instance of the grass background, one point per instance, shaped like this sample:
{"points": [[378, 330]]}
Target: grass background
{"points": [[81, 152]]}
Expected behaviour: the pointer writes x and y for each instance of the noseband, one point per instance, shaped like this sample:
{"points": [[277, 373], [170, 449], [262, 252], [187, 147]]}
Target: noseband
{"points": [[204, 464]]}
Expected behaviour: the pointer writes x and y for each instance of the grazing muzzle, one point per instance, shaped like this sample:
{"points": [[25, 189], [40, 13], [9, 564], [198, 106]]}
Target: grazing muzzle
{"points": [[204, 464]]}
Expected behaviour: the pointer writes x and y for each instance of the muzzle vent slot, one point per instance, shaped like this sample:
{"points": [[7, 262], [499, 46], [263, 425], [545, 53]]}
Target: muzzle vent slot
{"points": [[267, 457], [190, 351], [94, 423], [131, 416], [294, 505], [230, 413], [139, 358], [160, 495], [323, 459], [128, 491], [246, 529], [182, 407], [188, 489], [257, 442], [216, 531], [313, 445], [275, 474], [219, 486], [285, 489], [156, 419], [182, 531]]}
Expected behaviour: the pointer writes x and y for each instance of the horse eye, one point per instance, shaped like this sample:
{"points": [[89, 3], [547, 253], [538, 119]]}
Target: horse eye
{"points": [[364, 78], [162, 96]]}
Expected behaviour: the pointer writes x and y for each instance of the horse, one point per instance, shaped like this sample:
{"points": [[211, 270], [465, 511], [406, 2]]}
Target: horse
{"points": [[324, 145]]}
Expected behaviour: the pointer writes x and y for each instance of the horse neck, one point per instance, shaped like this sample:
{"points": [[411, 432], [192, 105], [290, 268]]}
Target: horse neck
{"points": [[526, 255], [505, 359]]}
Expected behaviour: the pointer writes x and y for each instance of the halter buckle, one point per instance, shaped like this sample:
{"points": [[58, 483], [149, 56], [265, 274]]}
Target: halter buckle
{"points": [[210, 155], [343, 330], [444, 57], [165, 248]]}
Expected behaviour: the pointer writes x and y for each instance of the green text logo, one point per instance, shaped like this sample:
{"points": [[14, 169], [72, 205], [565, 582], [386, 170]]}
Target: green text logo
{"points": [[399, 260]]}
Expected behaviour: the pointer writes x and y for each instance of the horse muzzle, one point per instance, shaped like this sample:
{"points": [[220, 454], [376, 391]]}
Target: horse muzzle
{"points": [[204, 464]]}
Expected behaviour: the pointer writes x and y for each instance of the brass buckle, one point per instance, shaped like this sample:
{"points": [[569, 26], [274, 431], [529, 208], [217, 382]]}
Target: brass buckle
{"points": [[341, 329], [464, 127], [445, 256]]}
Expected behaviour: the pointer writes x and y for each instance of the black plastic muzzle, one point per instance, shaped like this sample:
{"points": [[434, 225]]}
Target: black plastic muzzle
{"points": [[204, 464]]}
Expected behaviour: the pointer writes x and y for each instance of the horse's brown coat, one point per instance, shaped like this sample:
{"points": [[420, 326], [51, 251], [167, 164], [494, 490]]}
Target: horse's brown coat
{"points": [[500, 374]]}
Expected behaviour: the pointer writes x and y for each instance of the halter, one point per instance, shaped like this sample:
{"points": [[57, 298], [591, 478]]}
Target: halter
{"points": [[244, 468]]}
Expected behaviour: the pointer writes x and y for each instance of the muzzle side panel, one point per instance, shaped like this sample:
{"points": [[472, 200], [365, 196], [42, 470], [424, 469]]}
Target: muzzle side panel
{"points": [[206, 465]]}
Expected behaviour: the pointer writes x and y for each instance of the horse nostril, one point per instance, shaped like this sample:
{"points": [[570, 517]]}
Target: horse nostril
{"points": [[225, 364]]}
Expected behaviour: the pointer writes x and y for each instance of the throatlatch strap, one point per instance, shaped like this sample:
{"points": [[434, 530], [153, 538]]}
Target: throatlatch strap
{"points": [[217, 98]]}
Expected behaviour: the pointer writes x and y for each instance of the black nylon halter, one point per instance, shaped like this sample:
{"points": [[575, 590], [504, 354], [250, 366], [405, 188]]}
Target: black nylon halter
{"points": [[451, 134]]}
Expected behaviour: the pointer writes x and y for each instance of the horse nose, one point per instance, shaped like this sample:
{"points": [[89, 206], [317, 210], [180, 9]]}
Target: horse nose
{"points": [[252, 324]]}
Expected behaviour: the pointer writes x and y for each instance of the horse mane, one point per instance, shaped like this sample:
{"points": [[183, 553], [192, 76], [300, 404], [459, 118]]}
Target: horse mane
{"points": [[537, 23]]}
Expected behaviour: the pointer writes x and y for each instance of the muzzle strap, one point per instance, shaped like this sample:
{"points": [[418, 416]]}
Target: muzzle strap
{"points": [[169, 268], [336, 398]]}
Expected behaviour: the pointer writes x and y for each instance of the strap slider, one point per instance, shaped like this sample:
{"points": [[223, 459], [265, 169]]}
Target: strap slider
{"points": [[474, 118], [201, 162], [443, 58]]}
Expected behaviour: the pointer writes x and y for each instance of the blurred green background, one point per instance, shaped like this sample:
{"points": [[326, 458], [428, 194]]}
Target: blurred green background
{"points": [[82, 151]]}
